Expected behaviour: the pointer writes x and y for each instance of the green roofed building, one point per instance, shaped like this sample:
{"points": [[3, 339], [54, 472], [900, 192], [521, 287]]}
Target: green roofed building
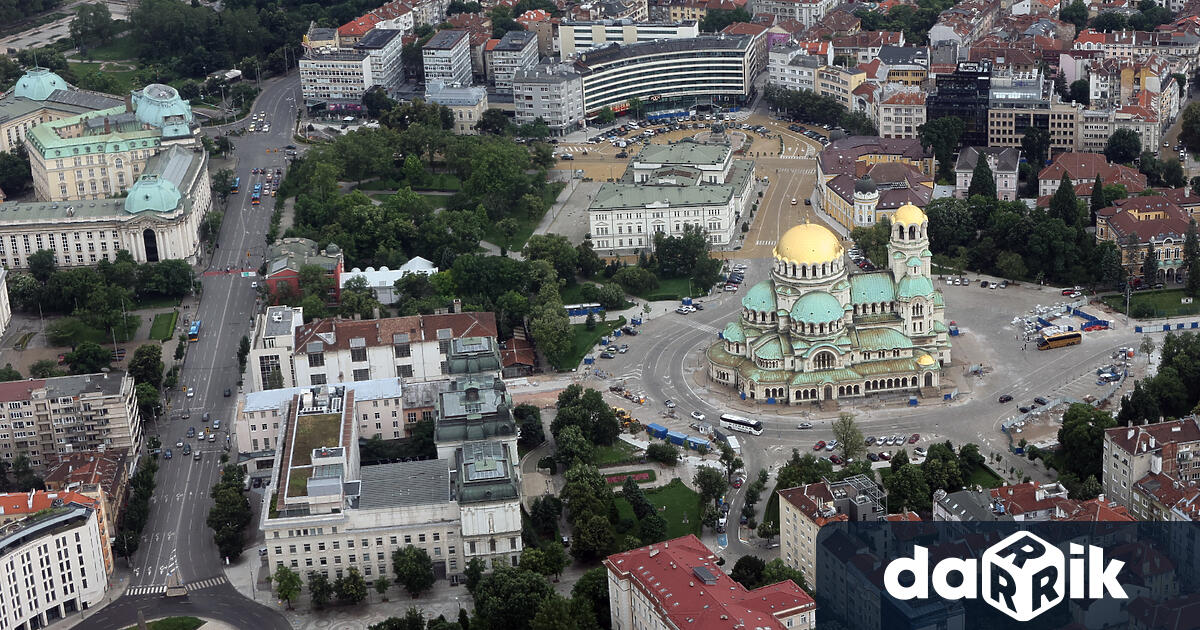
{"points": [[668, 187], [813, 332]]}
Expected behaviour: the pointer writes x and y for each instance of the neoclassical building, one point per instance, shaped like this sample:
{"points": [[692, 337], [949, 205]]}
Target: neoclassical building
{"points": [[814, 332]]}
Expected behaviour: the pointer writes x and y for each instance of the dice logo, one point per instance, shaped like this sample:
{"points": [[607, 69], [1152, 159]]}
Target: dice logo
{"points": [[1023, 576]]}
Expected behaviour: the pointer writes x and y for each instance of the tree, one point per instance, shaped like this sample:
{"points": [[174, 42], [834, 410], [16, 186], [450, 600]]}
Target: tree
{"points": [[509, 598], [1063, 205], [574, 447], [554, 613], [849, 436], [351, 588], [92, 24], [146, 366], [1080, 92], [474, 573], [413, 569], [592, 588], [1123, 146], [382, 584], [1035, 145], [1172, 173], [287, 584], [716, 20], [554, 559], [1150, 265], [767, 530], [1109, 22], [8, 374], [148, 398], [222, 183], [42, 265], [1189, 132], [1151, 167], [45, 368], [1098, 200], [908, 490], [942, 135], [776, 571], [606, 115], [653, 529], [711, 484], [494, 121], [1075, 13], [529, 422], [663, 452], [982, 180], [748, 571], [730, 460], [413, 619], [89, 358], [319, 589], [243, 352], [1082, 440], [1191, 260], [555, 249]]}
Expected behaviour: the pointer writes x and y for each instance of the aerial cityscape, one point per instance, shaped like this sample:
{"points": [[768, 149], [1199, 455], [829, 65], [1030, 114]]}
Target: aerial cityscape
{"points": [[599, 314]]}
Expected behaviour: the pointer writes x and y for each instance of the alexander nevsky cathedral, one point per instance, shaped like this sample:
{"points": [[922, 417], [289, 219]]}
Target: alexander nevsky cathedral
{"points": [[814, 332]]}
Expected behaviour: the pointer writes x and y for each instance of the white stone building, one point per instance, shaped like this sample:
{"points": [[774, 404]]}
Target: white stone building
{"points": [[447, 57], [337, 78], [516, 51], [552, 92], [807, 12], [466, 103], [580, 36]]}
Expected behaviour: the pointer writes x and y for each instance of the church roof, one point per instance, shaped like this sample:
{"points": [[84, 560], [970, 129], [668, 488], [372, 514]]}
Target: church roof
{"points": [[760, 297], [913, 286], [886, 366], [817, 307], [881, 339], [772, 349], [825, 376], [866, 288], [913, 261], [734, 332]]}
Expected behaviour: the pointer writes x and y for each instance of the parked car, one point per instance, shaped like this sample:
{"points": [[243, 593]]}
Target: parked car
{"points": [[873, 457], [1041, 401], [920, 451], [1023, 409], [669, 403], [885, 456], [819, 445], [836, 459], [914, 438], [607, 355], [1005, 398]]}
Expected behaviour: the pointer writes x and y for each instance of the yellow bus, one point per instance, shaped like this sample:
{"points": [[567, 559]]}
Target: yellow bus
{"points": [[1058, 340]]}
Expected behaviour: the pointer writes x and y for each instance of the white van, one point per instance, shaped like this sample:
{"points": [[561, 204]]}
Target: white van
{"points": [[733, 443]]}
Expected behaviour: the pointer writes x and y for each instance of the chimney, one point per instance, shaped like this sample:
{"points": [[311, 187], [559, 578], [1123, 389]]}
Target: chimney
{"points": [[129, 102]]}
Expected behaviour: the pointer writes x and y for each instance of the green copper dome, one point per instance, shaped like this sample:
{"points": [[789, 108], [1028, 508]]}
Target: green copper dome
{"points": [[735, 333], [157, 103], [913, 286], [151, 193], [760, 297], [817, 307], [38, 84]]}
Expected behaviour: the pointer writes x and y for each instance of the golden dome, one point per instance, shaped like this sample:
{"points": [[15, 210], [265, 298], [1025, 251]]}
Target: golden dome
{"points": [[909, 214], [925, 361], [808, 244]]}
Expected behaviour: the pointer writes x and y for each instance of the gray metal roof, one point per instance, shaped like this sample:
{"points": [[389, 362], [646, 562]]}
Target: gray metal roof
{"points": [[377, 38], [284, 326], [445, 40], [63, 386], [375, 389], [515, 40], [404, 484]]}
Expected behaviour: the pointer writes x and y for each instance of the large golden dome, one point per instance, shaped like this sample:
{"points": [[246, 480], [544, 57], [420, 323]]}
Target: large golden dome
{"points": [[808, 244], [909, 214]]}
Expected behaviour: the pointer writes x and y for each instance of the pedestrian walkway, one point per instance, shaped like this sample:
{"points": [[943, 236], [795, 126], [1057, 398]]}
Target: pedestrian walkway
{"points": [[207, 583], [155, 589]]}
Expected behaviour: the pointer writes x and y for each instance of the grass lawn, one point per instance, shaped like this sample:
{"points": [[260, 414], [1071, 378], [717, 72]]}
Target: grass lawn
{"points": [[297, 486], [525, 225], [621, 452], [163, 327], [24, 340], [124, 78], [673, 289], [173, 623], [985, 477], [573, 294], [584, 341], [314, 431], [122, 48], [435, 201], [675, 502], [1165, 303], [157, 302]]}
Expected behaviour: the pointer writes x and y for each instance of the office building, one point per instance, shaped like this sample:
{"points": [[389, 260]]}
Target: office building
{"points": [[706, 70], [963, 93], [796, 68], [576, 37], [378, 410], [1147, 226], [447, 57], [465, 102], [52, 561], [804, 510], [41, 96], [159, 218], [88, 412], [516, 51], [336, 78], [677, 584], [668, 188], [1019, 101], [552, 92]]}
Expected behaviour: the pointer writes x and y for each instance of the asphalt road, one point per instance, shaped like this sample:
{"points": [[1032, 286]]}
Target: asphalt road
{"points": [[177, 539]]}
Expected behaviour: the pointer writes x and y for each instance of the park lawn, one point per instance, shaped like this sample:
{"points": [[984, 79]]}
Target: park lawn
{"points": [[122, 48], [985, 477], [156, 302], [435, 201], [675, 502], [173, 623], [621, 452], [1165, 303], [525, 225], [573, 294], [672, 289], [163, 327], [583, 341]]}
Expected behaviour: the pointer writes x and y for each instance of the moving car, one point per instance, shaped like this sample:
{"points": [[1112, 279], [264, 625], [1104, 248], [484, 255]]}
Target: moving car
{"points": [[167, 454], [228, 392], [191, 391], [804, 425], [1005, 398], [191, 432], [698, 416], [793, 201], [196, 456]]}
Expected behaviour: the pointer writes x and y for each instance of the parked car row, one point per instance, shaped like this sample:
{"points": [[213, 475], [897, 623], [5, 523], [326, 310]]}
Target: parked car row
{"points": [[858, 258]]}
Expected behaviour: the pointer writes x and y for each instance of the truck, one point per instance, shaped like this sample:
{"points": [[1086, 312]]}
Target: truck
{"points": [[656, 430]]}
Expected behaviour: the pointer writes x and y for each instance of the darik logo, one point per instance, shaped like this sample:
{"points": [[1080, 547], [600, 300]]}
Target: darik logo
{"points": [[1023, 576]]}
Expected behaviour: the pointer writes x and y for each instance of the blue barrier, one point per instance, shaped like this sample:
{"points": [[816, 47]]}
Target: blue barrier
{"points": [[1137, 329], [1042, 322]]}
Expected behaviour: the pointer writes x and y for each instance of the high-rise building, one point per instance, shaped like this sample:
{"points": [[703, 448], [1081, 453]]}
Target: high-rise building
{"points": [[964, 93], [514, 52], [552, 92], [447, 58]]}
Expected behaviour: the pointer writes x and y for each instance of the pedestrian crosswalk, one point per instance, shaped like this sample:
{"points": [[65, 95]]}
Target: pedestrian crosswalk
{"points": [[159, 589], [701, 327], [796, 157], [798, 171], [764, 242], [574, 148]]}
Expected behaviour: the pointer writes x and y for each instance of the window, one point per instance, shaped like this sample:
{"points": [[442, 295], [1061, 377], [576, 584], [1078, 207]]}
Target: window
{"points": [[405, 371], [362, 374], [403, 350], [317, 379], [316, 359]]}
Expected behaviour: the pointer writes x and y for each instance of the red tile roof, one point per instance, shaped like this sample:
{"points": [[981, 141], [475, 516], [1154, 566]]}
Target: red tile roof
{"points": [[1081, 167], [1173, 614], [517, 352], [16, 504], [1138, 439], [85, 468], [811, 500], [744, 28], [688, 590], [1029, 497], [359, 26], [1093, 511], [19, 390]]}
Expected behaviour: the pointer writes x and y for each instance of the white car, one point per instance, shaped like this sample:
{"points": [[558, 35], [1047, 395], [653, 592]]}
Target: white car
{"points": [[669, 403], [698, 416], [254, 285], [191, 391]]}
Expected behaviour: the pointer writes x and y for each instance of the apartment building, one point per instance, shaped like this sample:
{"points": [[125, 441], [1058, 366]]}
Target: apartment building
{"points": [[337, 78], [1132, 453], [271, 348], [552, 92], [901, 111], [806, 12], [88, 412], [1003, 162], [580, 36], [706, 70], [804, 510], [667, 188], [515, 51], [41, 96], [466, 103], [447, 58], [102, 476], [677, 584], [1083, 169], [795, 68], [864, 46], [840, 83], [52, 561]]}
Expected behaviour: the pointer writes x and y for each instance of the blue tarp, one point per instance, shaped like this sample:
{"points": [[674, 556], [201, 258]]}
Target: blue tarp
{"points": [[657, 430], [676, 437]]}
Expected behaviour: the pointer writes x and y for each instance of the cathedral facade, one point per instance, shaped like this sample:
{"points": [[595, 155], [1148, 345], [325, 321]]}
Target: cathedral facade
{"points": [[814, 332]]}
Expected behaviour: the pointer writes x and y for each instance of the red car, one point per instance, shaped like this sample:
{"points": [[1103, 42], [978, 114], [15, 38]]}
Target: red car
{"points": [[737, 483], [819, 445], [885, 456], [914, 438], [836, 459]]}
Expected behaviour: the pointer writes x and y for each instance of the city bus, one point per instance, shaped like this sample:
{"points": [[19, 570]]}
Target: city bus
{"points": [[738, 423], [237, 185], [1059, 339], [194, 331]]}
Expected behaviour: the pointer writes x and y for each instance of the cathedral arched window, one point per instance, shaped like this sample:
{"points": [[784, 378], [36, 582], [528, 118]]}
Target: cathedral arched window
{"points": [[912, 232], [824, 361]]}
